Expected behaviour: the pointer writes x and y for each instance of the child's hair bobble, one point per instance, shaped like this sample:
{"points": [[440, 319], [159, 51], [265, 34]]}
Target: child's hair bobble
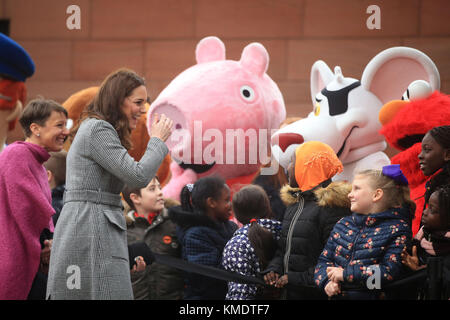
{"points": [[252, 220], [393, 171], [190, 187]]}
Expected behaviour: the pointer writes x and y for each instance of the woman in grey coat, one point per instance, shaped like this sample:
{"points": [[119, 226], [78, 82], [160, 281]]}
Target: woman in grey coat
{"points": [[89, 258]]}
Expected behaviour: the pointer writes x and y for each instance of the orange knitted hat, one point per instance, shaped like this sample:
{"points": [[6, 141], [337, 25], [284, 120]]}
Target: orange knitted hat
{"points": [[315, 162]]}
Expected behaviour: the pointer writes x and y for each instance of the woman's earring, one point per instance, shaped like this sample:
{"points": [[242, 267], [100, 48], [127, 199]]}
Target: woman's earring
{"points": [[38, 134]]}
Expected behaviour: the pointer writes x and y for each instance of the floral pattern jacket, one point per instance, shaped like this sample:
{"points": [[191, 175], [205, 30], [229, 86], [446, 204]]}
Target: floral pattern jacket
{"points": [[239, 256], [361, 243]]}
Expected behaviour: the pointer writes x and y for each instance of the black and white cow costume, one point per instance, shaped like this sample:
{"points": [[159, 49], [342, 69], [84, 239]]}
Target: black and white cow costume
{"points": [[345, 113]]}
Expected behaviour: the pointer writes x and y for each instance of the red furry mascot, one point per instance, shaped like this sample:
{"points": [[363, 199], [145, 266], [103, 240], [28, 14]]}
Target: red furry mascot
{"points": [[405, 123]]}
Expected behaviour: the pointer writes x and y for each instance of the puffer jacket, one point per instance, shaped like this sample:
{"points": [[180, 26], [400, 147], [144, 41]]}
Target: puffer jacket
{"points": [[202, 241], [308, 220], [360, 241]]}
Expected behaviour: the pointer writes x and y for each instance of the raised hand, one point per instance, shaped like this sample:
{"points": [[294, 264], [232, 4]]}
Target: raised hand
{"points": [[161, 127]]}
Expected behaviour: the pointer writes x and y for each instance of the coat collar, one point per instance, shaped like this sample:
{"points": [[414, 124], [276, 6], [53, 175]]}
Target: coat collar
{"points": [[40, 154], [186, 219], [331, 194], [375, 218]]}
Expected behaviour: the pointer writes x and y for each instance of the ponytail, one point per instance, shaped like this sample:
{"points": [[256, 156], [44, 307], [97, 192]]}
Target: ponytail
{"points": [[263, 243], [405, 195], [194, 196]]}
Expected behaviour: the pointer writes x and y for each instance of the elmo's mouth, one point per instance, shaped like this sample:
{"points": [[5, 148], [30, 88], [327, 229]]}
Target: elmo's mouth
{"points": [[408, 141]]}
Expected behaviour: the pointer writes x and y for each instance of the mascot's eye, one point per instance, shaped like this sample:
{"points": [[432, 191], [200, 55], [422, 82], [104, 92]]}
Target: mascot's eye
{"points": [[418, 89], [247, 93], [317, 109]]}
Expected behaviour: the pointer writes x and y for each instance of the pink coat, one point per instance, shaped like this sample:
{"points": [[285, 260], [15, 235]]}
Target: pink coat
{"points": [[25, 210]]}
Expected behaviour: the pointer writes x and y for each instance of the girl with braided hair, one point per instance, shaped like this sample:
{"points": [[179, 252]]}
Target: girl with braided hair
{"points": [[433, 239], [252, 246], [203, 229], [434, 160]]}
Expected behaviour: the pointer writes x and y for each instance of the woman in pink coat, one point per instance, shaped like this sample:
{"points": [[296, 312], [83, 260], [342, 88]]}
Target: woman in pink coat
{"points": [[25, 196]]}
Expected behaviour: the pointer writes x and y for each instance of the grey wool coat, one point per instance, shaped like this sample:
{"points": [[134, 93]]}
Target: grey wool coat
{"points": [[89, 258]]}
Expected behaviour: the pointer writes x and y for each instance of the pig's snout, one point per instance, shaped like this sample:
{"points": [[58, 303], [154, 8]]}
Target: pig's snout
{"points": [[180, 127]]}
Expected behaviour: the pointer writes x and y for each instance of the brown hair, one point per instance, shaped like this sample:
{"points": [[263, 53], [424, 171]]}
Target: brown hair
{"points": [[38, 111], [276, 180], [107, 104], [394, 195], [249, 203], [127, 191], [57, 165]]}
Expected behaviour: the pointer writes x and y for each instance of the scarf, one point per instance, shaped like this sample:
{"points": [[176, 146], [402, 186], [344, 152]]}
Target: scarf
{"points": [[435, 243], [25, 210]]}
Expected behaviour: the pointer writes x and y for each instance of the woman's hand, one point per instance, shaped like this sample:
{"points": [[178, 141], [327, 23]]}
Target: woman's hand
{"points": [[161, 127], [335, 274]]}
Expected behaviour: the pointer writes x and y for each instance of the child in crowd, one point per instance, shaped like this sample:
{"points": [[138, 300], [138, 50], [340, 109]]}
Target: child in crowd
{"points": [[149, 221], [433, 239], [204, 227], [314, 205], [371, 240], [253, 245], [56, 171], [272, 185], [434, 160]]}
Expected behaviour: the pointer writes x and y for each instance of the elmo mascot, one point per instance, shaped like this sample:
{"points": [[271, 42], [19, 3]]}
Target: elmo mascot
{"points": [[405, 123]]}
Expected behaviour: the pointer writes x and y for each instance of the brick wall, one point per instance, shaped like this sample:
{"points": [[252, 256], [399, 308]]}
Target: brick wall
{"points": [[157, 38]]}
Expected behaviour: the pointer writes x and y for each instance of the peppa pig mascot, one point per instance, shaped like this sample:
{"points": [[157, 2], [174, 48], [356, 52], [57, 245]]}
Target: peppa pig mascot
{"points": [[224, 112]]}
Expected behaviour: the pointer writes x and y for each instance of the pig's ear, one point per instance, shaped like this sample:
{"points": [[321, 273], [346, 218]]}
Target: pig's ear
{"points": [[210, 49], [255, 58]]}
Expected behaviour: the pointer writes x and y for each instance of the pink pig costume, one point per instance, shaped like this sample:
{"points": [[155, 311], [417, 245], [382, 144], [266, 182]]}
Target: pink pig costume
{"points": [[25, 210], [211, 101]]}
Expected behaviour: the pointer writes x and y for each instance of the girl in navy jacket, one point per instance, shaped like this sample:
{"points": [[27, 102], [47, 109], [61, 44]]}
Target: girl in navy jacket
{"points": [[203, 229], [364, 249]]}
